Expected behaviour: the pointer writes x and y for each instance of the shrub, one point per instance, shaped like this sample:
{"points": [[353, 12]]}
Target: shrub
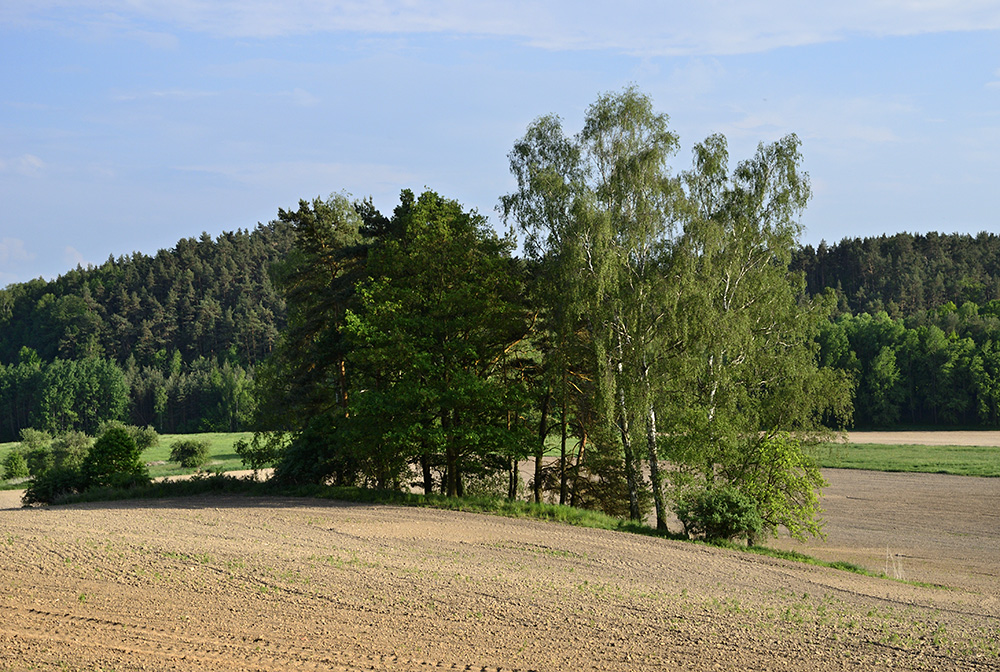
{"points": [[784, 482], [717, 514], [114, 461], [15, 465], [189, 452], [57, 482], [69, 450], [262, 451], [44, 453], [144, 437], [35, 448]]}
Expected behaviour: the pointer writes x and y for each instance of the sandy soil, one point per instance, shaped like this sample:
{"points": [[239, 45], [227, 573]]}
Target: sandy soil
{"points": [[280, 584], [957, 438]]}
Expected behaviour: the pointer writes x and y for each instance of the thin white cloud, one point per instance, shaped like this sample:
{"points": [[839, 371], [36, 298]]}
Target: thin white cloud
{"points": [[13, 251], [835, 122], [632, 26], [73, 258], [358, 178], [172, 94], [301, 97], [28, 165]]}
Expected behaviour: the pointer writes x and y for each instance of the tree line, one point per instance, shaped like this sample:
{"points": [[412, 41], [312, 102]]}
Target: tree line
{"points": [[203, 298], [917, 325], [66, 395], [904, 274], [937, 368], [169, 340]]}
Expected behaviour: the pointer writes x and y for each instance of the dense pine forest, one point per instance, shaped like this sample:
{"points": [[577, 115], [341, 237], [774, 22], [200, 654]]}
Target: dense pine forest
{"points": [[169, 340], [918, 325], [905, 274]]}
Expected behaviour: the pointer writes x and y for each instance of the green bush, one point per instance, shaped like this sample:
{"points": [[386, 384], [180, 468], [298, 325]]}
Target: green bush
{"points": [[70, 465], [114, 461], [35, 447], [263, 450], [50, 486], [15, 465], [69, 450], [189, 452], [720, 514], [144, 437], [44, 453]]}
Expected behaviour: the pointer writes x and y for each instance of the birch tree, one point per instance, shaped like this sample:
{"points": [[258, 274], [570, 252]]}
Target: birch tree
{"points": [[755, 386], [601, 210], [701, 338], [628, 244]]}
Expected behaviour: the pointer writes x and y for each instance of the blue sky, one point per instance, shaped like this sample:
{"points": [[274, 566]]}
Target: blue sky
{"points": [[126, 125]]}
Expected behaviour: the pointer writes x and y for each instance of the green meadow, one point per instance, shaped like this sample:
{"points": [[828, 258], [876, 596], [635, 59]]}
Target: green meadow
{"points": [[958, 460], [222, 456]]}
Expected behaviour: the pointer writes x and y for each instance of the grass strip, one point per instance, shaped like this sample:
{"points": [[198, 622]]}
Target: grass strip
{"points": [[981, 461]]}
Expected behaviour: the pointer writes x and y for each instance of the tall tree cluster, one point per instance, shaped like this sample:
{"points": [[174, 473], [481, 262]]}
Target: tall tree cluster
{"points": [[653, 336], [699, 338], [402, 346]]}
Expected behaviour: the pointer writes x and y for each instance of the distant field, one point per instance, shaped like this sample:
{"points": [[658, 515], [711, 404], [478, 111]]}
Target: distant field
{"points": [[934, 459], [928, 438], [222, 457]]}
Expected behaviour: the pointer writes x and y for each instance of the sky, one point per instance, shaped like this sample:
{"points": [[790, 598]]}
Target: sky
{"points": [[126, 125]]}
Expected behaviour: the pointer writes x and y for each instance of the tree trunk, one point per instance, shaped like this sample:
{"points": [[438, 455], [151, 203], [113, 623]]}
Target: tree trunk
{"points": [[342, 374], [579, 461], [543, 431], [450, 455], [562, 455], [631, 472], [654, 470], [512, 481], [452, 460], [654, 463], [425, 467], [631, 469]]}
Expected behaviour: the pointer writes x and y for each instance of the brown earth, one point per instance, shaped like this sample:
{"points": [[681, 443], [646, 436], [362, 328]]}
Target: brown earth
{"points": [[223, 583], [949, 438]]}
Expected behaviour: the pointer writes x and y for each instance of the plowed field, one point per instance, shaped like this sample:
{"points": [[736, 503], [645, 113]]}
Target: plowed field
{"points": [[282, 584]]}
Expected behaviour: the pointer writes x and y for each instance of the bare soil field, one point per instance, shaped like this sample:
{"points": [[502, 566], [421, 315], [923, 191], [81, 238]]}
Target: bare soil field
{"points": [[946, 438], [219, 583]]}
